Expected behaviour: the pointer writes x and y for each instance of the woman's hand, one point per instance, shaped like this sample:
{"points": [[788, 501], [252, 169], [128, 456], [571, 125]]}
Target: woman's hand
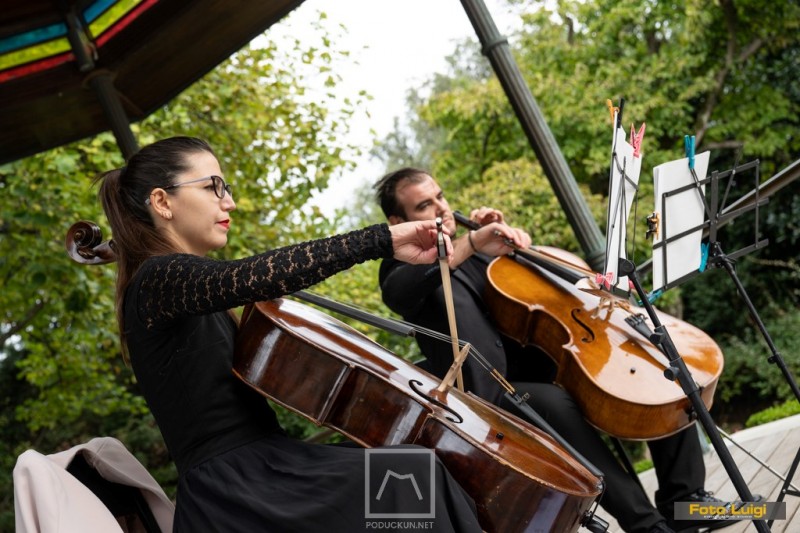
{"points": [[416, 242]]}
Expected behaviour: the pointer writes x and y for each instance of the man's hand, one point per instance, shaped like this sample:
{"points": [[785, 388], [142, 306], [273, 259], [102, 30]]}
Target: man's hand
{"points": [[486, 215], [494, 235], [497, 239]]}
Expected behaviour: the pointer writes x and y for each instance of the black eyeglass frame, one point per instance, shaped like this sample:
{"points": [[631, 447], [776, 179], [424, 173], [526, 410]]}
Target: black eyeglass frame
{"points": [[220, 186]]}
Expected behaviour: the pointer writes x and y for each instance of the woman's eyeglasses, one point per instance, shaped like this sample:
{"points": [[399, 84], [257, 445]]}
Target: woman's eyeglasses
{"points": [[220, 187]]}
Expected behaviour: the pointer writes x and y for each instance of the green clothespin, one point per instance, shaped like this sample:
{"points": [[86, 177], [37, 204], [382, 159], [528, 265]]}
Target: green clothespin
{"points": [[703, 256], [688, 144]]}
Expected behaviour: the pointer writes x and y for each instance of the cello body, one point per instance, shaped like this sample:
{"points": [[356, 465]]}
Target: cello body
{"points": [[614, 373], [309, 362]]}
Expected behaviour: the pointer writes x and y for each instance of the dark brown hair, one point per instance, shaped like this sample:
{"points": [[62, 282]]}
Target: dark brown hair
{"points": [[386, 189], [123, 193]]}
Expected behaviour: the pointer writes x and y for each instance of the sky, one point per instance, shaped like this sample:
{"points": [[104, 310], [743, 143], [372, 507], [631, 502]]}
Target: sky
{"points": [[398, 44]]}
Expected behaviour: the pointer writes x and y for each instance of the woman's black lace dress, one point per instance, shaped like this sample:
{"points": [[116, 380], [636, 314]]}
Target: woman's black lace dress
{"points": [[238, 471]]}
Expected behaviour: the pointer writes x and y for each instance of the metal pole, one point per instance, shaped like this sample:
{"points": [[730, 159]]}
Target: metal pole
{"points": [[495, 48], [101, 81]]}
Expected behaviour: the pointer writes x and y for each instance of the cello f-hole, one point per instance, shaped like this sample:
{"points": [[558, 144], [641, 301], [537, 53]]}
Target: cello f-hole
{"points": [[414, 384], [589, 337]]}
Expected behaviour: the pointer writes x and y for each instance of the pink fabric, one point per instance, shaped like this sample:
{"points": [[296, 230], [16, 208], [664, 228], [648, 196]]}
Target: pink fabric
{"points": [[47, 498]]}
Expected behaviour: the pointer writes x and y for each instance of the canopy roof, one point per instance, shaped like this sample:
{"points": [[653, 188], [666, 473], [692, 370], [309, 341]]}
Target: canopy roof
{"points": [[152, 50]]}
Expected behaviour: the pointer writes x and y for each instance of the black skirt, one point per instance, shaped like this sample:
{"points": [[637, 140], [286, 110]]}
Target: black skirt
{"points": [[286, 485]]}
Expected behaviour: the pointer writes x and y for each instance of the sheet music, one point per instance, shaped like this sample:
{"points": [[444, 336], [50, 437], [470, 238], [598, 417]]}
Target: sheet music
{"points": [[619, 205], [680, 212]]}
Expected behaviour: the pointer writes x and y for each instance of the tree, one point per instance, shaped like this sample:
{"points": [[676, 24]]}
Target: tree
{"points": [[687, 67], [277, 145], [719, 70]]}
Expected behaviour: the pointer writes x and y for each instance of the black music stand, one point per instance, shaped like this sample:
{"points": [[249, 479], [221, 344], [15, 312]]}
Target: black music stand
{"points": [[621, 187], [717, 258]]}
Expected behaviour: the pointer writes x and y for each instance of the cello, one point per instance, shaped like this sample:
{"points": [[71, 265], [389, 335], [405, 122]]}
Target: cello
{"points": [[545, 298], [334, 376]]}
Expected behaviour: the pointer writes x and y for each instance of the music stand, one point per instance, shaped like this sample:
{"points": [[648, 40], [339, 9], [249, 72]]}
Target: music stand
{"points": [[719, 259], [623, 187], [712, 255]]}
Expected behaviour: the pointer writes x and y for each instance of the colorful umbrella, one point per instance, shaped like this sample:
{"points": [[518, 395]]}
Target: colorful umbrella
{"points": [[70, 69]]}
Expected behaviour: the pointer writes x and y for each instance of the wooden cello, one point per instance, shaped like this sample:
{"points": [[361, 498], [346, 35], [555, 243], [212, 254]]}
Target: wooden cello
{"points": [[545, 297], [520, 478]]}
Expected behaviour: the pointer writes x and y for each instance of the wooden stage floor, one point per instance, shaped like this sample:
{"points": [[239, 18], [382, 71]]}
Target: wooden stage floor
{"points": [[776, 445]]}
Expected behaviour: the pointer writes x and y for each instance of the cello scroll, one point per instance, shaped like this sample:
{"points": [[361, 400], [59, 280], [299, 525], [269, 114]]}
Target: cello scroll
{"points": [[85, 245]]}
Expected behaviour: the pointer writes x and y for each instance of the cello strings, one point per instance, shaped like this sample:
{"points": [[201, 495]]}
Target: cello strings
{"points": [[473, 351]]}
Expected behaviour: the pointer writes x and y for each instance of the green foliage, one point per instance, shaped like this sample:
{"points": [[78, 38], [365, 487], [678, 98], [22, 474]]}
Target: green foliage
{"points": [[748, 374], [680, 66], [643, 465], [63, 378], [778, 412], [722, 71], [687, 67], [12, 391], [527, 200], [56, 308], [770, 276]]}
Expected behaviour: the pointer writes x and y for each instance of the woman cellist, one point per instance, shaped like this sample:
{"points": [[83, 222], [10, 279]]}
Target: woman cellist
{"points": [[167, 209], [411, 194]]}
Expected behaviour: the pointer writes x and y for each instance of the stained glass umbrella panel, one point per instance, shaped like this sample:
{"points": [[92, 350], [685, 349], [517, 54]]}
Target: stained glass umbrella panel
{"points": [[70, 69]]}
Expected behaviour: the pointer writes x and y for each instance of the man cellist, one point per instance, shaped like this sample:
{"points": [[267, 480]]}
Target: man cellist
{"points": [[415, 292]]}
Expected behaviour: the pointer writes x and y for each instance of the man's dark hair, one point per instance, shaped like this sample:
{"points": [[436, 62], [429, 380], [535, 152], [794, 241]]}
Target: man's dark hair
{"points": [[386, 189]]}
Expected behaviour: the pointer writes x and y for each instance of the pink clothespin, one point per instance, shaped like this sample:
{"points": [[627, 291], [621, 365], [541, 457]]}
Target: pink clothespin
{"points": [[636, 140], [604, 280]]}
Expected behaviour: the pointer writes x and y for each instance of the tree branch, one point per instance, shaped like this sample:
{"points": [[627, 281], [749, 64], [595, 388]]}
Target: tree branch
{"points": [[570, 23], [22, 324], [724, 145], [731, 59], [485, 146], [790, 265], [749, 50], [703, 118]]}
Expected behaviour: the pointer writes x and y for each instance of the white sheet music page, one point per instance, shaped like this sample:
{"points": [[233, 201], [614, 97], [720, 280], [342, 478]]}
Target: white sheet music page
{"points": [[678, 213], [622, 192]]}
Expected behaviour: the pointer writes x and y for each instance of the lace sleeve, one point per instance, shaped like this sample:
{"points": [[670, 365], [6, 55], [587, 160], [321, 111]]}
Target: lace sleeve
{"points": [[169, 287]]}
